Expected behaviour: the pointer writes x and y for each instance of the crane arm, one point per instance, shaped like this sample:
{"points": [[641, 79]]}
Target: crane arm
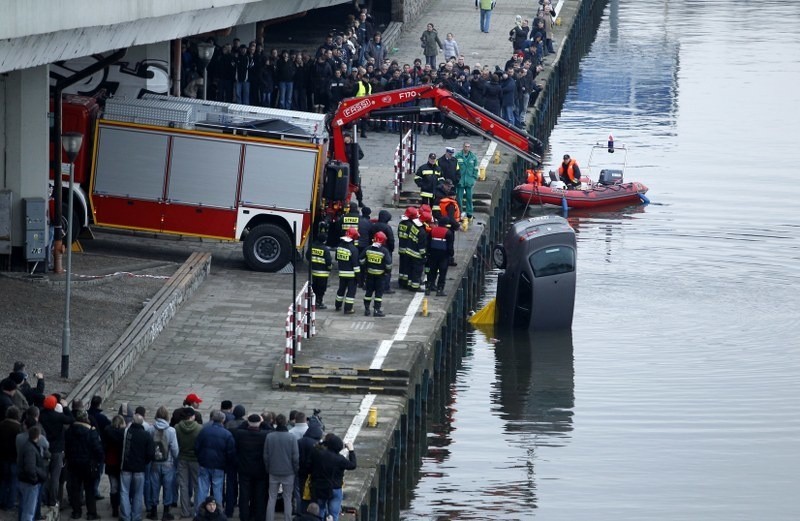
{"points": [[453, 106]]}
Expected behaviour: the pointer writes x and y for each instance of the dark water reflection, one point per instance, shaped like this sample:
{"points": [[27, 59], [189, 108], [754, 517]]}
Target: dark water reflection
{"points": [[676, 396]]}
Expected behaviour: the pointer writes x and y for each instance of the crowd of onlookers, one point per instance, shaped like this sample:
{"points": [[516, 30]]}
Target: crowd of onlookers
{"points": [[355, 61], [191, 469]]}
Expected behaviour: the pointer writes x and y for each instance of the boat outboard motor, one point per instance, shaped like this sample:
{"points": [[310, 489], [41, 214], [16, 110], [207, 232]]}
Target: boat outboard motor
{"points": [[555, 181], [537, 289], [610, 177]]}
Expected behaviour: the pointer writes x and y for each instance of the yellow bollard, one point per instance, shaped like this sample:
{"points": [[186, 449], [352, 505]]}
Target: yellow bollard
{"points": [[496, 157], [482, 173], [558, 21], [464, 224], [425, 307], [372, 419]]}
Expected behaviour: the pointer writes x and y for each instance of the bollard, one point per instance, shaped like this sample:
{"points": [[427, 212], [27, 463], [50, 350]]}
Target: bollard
{"points": [[372, 418], [482, 173], [425, 307]]}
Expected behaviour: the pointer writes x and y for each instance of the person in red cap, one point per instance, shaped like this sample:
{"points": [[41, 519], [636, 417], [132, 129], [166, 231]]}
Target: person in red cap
{"points": [[54, 424], [347, 258], [191, 400]]}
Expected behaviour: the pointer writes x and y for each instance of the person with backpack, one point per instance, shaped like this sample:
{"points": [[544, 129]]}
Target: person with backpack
{"points": [[163, 467]]}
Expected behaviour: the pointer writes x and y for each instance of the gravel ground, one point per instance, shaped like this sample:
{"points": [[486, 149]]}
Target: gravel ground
{"points": [[107, 292]]}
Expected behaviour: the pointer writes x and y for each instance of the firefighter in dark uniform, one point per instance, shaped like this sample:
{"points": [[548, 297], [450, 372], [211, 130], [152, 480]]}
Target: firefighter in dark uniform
{"points": [[403, 229], [416, 251], [382, 225], [427, 177], [440, 250], [349, 219], [375, 262], [319, 254], [347, 258]]}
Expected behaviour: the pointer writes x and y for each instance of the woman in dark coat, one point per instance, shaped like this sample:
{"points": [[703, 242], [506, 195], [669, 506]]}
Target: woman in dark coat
{"points": [[83, 453], [327, 474], [493, 95], [112, 438]]}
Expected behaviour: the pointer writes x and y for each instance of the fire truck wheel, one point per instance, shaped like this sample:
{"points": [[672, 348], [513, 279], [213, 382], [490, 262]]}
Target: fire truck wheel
{"points": [[267, 248]]}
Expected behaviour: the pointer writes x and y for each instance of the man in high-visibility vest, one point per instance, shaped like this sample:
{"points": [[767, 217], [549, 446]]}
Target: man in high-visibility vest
{"points": [[486, 7]]}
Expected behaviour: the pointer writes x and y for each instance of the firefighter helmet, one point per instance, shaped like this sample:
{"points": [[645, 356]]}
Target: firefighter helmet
{"points": [[411, 212], [352, 233], [380, 238], [426, 217]]}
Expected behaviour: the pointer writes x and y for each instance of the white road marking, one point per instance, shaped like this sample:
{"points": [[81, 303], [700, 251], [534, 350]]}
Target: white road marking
{"points": [[488, 156], [358, 419], [377, 363]]}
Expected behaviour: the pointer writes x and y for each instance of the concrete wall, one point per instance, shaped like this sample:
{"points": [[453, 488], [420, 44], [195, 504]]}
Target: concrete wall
{"points": [[25, 138], [408, 10], [38, 32]]}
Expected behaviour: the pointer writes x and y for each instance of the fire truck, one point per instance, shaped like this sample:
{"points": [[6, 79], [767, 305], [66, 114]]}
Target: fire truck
{"points": [[198, 168], [241, 173]]}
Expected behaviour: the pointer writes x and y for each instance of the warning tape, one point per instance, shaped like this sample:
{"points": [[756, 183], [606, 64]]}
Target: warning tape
{"points": [[126, 273]]}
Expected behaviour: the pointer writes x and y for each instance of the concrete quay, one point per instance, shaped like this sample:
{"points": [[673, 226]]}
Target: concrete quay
{"points": [[227, 340]]}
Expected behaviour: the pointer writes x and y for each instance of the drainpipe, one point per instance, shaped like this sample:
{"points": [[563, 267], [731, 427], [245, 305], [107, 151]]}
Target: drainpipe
{"points": [[176, 67]]}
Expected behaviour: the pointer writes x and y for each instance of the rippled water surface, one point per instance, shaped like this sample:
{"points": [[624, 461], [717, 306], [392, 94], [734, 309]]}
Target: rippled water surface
{"points": [[677, 394]]}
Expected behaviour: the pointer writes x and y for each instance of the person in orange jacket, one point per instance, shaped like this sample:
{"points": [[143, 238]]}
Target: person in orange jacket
{"points": [[570, 172]]}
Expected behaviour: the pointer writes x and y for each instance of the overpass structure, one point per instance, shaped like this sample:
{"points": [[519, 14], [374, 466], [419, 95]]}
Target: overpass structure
{"points": [[43, 41]]}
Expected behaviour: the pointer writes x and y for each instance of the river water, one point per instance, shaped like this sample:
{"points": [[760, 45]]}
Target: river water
{"points": [[677, 394]]}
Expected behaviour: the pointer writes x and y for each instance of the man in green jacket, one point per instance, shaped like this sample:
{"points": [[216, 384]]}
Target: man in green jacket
{"points": [[486, 7], [187, 432], [468, 167]]}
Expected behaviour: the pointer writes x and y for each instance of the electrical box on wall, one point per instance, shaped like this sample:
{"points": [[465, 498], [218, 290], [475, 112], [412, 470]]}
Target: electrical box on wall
{"points": [[35, 213]]}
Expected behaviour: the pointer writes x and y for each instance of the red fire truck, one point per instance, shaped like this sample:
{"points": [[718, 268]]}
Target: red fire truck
{"points": [[206, 169], [241, 173]]}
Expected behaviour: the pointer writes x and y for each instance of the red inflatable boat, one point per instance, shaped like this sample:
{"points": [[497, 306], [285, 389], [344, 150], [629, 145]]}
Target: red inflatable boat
{"points": [[610, 189], [593, 196]]}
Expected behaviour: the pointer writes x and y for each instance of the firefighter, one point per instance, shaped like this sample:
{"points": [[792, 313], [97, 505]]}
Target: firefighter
{"points": [[347, 259], [319, 254], [350, 219], [440, 250], [427, 177], [416, 251], [375, 262], [403, 229], [569, 172], [382, 225]]}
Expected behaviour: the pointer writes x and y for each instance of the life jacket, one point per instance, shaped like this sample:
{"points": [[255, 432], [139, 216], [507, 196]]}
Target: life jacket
{"points": [[438, 239], [570, 172], [364, 89], [535, 177], [445, 203]]}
